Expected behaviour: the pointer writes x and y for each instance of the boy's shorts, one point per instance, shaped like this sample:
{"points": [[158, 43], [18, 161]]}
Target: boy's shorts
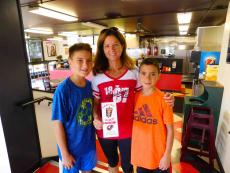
{"points": [[84, 162]]}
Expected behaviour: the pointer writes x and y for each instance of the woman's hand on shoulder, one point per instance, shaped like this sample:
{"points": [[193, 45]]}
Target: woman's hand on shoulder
{"points": [[169, 99]]}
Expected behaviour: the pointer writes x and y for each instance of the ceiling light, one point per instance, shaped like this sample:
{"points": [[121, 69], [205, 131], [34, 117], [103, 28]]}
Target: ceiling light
{"points": [[94, 25], [38, 31], [130, 35], [183, 32], [183, 27], [68, 34], [27, 36], [184, 18], [53, 14], [55, 39], [181, 47]]}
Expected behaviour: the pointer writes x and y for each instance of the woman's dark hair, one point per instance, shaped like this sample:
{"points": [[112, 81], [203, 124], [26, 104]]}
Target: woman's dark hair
{"points": [[78, 47], [101, 63], [150, 61]]}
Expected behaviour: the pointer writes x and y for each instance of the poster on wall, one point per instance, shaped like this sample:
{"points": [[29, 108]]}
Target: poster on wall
{"points": [[34, 50], [51, 49], [208, 58]]}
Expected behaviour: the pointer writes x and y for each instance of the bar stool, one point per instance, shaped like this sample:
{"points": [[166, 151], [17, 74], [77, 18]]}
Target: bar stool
{"points": [[199, 134]]}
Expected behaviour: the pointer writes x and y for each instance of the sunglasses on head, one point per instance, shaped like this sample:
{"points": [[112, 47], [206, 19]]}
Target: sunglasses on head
{"points": [[111, 29]]}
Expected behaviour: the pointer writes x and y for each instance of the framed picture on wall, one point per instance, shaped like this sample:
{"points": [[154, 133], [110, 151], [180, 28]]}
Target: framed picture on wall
{"points": [[228, 53], [51, 50], [34, 50]]}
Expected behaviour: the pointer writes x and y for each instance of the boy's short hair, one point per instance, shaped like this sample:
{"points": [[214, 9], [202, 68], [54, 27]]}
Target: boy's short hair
{"points": [[79, 47], [150, 61]]}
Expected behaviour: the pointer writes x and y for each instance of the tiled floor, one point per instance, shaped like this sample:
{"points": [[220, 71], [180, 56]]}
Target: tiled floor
{"points": [[51, 167], [190, 164]]}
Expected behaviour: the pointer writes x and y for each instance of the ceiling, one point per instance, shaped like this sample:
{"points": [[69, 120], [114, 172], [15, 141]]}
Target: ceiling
{"points": [[145, 17]]}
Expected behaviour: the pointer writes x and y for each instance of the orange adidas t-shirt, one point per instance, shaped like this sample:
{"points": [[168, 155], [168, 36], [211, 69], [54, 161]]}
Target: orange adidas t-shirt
{"points": [[151, 114]]}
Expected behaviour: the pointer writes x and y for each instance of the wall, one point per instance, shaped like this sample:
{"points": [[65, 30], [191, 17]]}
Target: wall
{"points": [[173, 45], [45, 126], [223, 138], [209, 38], [132, 41]]}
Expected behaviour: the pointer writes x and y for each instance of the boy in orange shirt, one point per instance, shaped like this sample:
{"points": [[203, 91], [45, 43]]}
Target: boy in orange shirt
{"points": [[152, 136]]}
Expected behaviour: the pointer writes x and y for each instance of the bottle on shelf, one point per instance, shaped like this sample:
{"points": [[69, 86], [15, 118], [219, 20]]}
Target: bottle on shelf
{"points": [[148, 50], [155, 51]]}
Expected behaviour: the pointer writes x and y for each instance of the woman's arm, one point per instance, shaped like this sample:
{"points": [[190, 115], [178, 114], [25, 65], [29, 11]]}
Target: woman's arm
{"points": [[96, 122], [169, 99], [67, 159]]}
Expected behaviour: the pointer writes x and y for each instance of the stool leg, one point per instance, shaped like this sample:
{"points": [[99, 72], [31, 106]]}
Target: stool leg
{"points": [[211, 151], [202, 142], [185, 140], [212, 148]]}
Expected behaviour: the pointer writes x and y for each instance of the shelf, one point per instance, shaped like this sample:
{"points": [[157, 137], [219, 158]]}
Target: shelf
{"points": [[41, 62]]}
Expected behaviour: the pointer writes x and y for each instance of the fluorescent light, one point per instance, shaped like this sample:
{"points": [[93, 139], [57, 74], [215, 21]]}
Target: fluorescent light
{"points": [[93, 25], [38, 31], [184, 18], [53, 14], [130, 35], [181, 47], [183, 27], [67, 34], [55, 39], [27, 36], [183, 32]]}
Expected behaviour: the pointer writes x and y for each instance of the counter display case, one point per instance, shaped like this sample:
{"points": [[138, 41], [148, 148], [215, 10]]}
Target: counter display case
{"points": [[45, 76], [170, 65], [171, 74], [39, 74]]}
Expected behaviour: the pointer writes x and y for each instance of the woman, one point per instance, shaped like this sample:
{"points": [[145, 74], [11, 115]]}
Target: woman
{"points": [[116, 81]]}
